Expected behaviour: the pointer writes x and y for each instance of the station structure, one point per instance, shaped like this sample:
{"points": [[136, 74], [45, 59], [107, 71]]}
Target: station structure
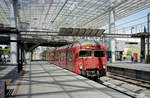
{"points": [[27, 24], [34, 23]]}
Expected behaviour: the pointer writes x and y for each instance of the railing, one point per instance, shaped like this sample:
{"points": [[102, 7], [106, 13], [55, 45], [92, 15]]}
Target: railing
{"points": [[130, 29]]}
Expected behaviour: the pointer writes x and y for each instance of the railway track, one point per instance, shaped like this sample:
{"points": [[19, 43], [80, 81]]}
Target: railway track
{"points": [[134, 88], [138, 82]]}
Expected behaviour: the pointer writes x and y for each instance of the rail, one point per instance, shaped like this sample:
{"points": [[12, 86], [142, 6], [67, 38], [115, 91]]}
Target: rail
{"points": [[129, 86]]}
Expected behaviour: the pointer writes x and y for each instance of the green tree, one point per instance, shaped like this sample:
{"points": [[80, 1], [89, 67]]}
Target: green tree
{"points": [[129, 53], [6, 51], [131, 50]]}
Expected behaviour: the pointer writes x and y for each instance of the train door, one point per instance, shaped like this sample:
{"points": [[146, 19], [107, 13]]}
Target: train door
{"points": [[49, 57], [76, 60], [58, 61], [73, 59], [63, 56], [67, 63], [70, 59], [56, 58], [53, 57], [61, 59]]}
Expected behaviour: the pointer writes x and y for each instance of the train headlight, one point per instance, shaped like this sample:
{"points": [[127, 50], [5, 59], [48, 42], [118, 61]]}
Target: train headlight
{"points": [[80, 65], [104, 66]]}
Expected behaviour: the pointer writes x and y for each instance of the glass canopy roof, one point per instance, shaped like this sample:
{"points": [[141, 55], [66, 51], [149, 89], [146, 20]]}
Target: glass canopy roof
{"points": [[51, 15]]}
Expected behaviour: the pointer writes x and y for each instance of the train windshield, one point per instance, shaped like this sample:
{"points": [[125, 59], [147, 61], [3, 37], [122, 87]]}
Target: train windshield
{"points": [[85, 53], [99, 54]]}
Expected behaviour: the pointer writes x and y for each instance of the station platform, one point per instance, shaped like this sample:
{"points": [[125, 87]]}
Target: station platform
{"points": [[131, 65], [43, 80], [132, 69]]}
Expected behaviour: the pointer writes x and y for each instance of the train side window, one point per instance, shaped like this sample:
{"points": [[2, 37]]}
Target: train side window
{"points": [[70, 56], [52, 56], [99, 53], [62, 56], [56, 56], [85, 53]]}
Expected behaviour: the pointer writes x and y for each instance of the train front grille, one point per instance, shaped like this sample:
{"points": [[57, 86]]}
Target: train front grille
{"points": [[91, 72]]}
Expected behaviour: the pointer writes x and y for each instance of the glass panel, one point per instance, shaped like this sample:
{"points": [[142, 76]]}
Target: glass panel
{"points": [[50, 15], [85, 53], [99, 53]]}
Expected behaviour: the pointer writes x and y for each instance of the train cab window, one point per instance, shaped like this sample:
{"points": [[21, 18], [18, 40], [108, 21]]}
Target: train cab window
{"points": [[85, 53], [99, 54]]}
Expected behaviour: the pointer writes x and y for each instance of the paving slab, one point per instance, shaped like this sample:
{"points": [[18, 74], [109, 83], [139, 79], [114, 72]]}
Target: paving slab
{"points": [[9, 74], [43, 80], [7, 70]]}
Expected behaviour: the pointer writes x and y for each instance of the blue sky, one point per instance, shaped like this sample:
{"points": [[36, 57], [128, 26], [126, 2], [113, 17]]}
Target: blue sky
{"points": [[137, 21], [138, 18], [134, 17]]}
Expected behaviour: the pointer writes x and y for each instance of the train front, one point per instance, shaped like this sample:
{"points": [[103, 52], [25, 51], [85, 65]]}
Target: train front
{"points": [[92, 60]]}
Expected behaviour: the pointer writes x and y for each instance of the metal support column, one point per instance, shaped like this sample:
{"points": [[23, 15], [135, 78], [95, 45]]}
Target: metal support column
{"points": [[31, 55], [22, 51], [21, 58], [112, 31], [148, 49], [142, 49], [18, 59], [14, 48], [24, 57], [13, 37], [148, 26], [28, 57], [13, 13]]}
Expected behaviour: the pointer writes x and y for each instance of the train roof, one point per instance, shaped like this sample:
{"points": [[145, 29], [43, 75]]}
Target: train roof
{"points": [[81, 43], [85, 42]]}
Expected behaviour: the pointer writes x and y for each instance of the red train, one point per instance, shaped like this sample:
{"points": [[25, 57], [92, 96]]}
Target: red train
{"points": [[87, 58]]}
